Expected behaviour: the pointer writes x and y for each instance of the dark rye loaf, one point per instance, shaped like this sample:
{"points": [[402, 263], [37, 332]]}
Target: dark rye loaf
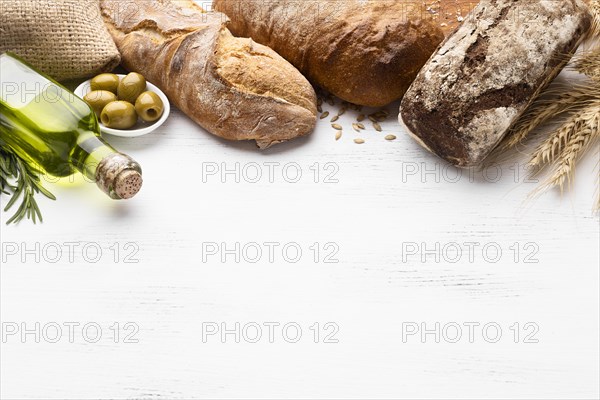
{"points": [[483, 76]]}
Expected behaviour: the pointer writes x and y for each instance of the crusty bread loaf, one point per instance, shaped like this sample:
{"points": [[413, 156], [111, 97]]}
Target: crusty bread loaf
{"points": [[482, 78], [366, 52], [233, 87]]}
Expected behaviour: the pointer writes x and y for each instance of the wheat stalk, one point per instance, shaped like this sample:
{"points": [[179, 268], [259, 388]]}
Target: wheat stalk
{"points": [[548, 151], [543, 110], [585, 128], [594, 7], [591, 67], [567, 144], [588, 63]]}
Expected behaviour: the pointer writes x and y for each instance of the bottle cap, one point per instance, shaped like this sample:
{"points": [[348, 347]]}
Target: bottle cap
{"points": [[119, 176]]}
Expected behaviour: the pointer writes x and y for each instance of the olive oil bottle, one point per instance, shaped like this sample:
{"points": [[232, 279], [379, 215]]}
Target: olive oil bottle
{"points": [[56, 131]]}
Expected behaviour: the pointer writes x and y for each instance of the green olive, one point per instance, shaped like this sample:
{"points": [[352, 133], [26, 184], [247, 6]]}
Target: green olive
{"points": [[108, 82], [119, 115], [131, 87], [149, 106], [97, 99]]}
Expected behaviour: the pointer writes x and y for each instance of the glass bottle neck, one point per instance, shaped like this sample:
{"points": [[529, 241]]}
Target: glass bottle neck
{"points": [[89, 152], [116, 174]]}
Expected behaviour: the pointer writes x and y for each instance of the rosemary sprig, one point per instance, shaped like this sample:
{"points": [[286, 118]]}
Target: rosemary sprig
{"points": [[19, 179]]}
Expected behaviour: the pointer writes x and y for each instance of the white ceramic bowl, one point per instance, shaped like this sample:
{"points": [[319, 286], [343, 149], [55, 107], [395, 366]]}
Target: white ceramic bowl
{"points": [[141, 127]]}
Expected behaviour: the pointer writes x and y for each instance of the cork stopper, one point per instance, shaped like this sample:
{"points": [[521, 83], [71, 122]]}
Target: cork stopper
{"points": [[128, 183], [119, 176]]}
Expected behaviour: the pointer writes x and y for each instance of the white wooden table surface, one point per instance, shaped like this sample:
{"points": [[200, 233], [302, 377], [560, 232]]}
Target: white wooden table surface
{"points": [[112, 299]]}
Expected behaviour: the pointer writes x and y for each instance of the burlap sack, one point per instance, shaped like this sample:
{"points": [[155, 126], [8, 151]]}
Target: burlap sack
{"points": [[64, 38]]}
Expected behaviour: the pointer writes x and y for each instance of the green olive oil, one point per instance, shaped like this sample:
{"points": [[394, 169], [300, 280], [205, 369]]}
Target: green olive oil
{"points": [[56, 131]]}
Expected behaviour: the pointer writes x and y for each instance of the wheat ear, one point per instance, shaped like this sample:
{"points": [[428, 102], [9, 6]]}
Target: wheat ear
{"points": [[594, 7], [587, 130], [588, 63], [552, 147], [543, 110]]}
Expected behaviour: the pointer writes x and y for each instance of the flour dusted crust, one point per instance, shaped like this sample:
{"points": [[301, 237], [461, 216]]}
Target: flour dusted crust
{"points": [[366, 52], [485, 74], [235, 88]]}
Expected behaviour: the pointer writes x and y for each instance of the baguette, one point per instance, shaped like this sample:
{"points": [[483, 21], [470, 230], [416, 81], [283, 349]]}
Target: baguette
{"points": [[483, 77], [366, 52], [234, 88]]}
